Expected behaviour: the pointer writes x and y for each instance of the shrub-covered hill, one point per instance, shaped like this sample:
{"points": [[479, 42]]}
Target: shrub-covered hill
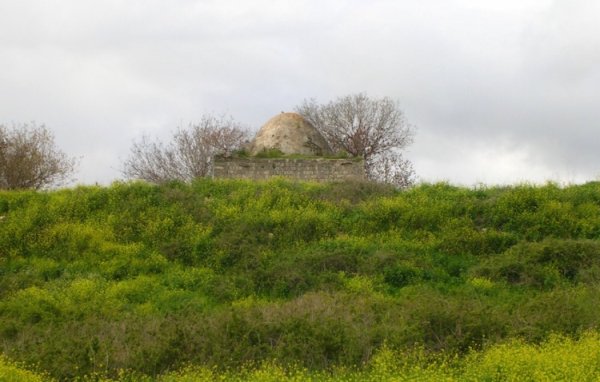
{"points": [[222, 273]]}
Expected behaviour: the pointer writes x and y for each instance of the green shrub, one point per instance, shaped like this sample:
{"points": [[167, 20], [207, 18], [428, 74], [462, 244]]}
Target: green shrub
{"points": [[135, 280], [545, 264]]}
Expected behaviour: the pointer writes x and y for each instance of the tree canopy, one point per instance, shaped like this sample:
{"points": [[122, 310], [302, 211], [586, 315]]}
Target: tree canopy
{"points": [[29, 158]]}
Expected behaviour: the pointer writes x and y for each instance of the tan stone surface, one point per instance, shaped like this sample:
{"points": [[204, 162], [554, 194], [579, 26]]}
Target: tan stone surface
{"points": [[305, 169], [291, 134]]}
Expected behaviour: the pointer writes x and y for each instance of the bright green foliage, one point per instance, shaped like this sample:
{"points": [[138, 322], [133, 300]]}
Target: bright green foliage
{"points": [[11, 372], [134, 281]]}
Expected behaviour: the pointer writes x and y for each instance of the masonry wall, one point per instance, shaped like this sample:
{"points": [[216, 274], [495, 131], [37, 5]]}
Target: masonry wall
{"points": [[317, 169]]}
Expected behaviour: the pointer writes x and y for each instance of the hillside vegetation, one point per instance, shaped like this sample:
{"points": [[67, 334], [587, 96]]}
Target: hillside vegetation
{"points": [[234, 279]]}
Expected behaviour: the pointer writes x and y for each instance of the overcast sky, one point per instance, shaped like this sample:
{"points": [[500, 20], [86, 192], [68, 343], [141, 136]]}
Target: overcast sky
{"points": [[500, 91]]}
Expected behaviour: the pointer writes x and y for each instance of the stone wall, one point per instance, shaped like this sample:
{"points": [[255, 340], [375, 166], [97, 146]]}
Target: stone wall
{"points": [[317, 169]]}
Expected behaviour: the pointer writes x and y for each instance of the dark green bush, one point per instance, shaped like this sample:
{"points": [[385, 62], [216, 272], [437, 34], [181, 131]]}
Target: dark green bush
{"points": [[545, 264]]}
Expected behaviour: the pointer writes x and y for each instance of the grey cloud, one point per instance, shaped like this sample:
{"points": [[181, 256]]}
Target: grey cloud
{"points": [[500, 91]]}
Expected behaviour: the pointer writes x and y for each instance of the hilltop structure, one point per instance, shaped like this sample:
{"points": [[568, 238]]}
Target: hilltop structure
{"points": [[289, 146], [291, 134]]}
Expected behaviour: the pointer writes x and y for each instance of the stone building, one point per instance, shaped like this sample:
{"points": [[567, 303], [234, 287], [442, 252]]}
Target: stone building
{"points": [[291, 134], [304, 155]]}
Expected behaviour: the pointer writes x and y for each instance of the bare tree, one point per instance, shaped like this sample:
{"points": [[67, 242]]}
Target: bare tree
{"points": [[30, 159], [374, 129], [188, 155], [392, 168]]}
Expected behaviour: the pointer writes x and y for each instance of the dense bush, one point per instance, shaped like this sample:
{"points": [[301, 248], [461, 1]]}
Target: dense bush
{"points": [[218, 274], [558, 358]]}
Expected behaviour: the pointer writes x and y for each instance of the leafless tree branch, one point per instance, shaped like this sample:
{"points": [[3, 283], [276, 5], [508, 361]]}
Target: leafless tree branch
{"points": [[188, 154], [374, 129]]}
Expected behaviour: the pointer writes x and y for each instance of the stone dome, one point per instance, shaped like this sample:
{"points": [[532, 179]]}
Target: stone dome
{"points": [[290, 133]]}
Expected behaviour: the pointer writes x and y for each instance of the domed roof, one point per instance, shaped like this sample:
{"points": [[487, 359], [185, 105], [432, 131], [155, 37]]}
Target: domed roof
{"points": [[291, 134]]}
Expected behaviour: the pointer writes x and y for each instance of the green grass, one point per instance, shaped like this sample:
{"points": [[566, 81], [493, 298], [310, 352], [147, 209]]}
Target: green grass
{"points": [[317, 280]]}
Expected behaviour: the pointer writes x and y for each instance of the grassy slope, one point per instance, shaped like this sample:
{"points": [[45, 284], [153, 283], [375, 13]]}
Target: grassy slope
{"points": [[146, 278]]}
